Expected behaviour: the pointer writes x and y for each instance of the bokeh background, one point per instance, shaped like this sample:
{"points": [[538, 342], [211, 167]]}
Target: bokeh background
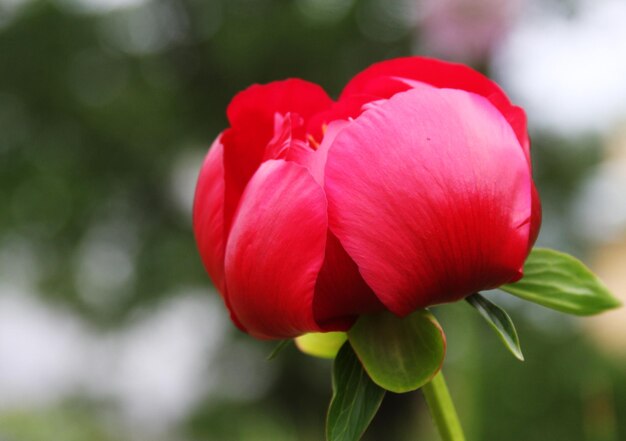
{"points": [[109, 327]]}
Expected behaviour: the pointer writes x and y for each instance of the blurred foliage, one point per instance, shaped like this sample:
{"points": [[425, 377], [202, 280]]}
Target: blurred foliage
{"points": [[95, 109], [100, 112], [61, 424]]}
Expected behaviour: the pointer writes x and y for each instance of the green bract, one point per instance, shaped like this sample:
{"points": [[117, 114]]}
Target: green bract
{"points": [[399, 354]]}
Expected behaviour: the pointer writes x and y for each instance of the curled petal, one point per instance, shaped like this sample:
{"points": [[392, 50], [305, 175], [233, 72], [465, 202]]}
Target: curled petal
{"points": [[275, 251], [430, 194], [384, 80], [284, 145]]}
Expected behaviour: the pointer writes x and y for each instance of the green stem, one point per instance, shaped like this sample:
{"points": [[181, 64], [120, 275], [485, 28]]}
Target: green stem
{"points": [[442, 409]]}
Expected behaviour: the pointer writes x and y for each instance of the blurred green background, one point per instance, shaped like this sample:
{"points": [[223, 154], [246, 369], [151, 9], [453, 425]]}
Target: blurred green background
{"points": [[109, 327]]}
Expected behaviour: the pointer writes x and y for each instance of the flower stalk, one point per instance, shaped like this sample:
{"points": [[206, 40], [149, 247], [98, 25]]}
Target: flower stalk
{"points": [[442, 409]]}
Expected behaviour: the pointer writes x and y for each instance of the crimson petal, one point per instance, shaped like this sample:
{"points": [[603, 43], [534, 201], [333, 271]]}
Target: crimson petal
{"points": [[383, 80], [251, 115], [430, 194], [275, 251], [208, 220]]}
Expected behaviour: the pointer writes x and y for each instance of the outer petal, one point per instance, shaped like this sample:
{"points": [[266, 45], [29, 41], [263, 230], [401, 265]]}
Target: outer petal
{"points": [[430, 194], [251, 115], [384, 80], [341, 294], [535, 219], [275, 251], [208, 219], [208, 214]]}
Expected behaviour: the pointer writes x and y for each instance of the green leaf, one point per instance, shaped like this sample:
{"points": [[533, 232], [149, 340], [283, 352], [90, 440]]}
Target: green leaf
{"points": [[499, 321], [278, 349], [355, 401], [321, 344], [559, 281], [399, 354]]}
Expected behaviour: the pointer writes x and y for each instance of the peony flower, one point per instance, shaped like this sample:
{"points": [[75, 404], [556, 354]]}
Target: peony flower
{"points": [[413, 189]]}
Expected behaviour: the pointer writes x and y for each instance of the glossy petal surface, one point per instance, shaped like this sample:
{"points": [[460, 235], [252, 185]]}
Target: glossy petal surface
{"points": [[384, 79], [275, 251], [535, 219], [341, 294], [430, 194], [208, 220], [208, 214]]}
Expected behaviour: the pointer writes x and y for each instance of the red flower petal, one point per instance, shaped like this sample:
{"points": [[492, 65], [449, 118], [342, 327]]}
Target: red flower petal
{"points": [[251, 115], [384, 79], [316, 163], [208, 219], [284, 145], [341, 294], [275, 251], [535, 219], [430, 194]]}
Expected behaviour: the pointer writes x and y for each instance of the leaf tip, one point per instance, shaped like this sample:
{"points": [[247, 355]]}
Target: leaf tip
{"points": [[615, 303], [277, 350]]}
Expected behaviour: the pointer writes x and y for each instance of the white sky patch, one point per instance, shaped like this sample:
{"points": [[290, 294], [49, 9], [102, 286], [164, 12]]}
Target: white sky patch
{"points": [[41, 351], [568, 72], [600, 211], [155, 369], [161, 362]]}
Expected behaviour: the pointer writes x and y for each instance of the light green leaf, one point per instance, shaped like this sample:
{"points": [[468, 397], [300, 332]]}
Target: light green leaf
{"points": [[355, 401], [500, 321], [321, 344], [399, 354], [559, 281]]}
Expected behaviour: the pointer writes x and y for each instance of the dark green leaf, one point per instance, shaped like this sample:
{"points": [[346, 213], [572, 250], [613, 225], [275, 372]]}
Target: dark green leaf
{"points": [[278, 349], [559, 281], [499, 321], [355, 401], [399, 354], [321, 344]]}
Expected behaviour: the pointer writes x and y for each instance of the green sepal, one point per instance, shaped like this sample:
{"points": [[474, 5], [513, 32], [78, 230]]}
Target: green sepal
{"points": [[321, 344], [559, 281], [500, 321], [356, 398], [399, 354]]}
